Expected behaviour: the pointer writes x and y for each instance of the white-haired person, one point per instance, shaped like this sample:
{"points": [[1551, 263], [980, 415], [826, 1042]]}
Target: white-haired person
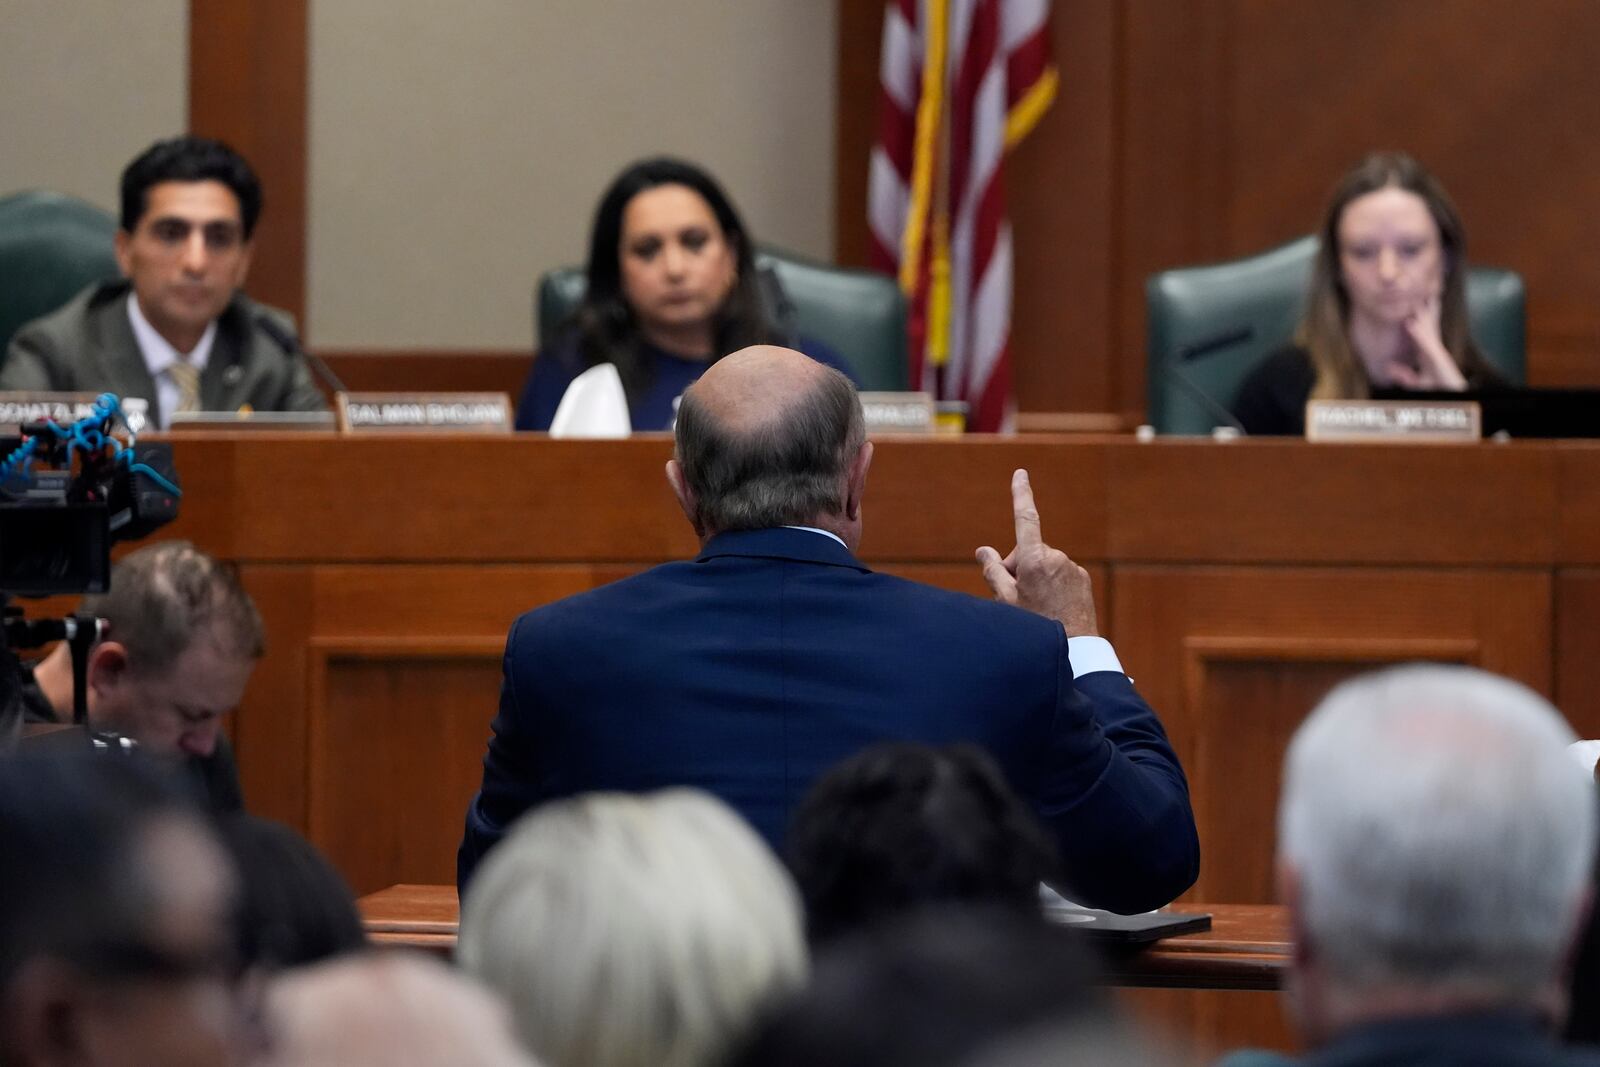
{"points": [[633, 930], [1435, 847]]}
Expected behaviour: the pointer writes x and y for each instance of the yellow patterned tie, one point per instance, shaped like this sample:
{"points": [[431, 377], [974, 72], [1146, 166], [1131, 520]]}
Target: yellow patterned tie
{"points": [[187, 379]]}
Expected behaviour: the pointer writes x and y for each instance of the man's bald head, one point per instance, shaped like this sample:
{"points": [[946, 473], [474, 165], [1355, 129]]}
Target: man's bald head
{"points": [[768, 437]]}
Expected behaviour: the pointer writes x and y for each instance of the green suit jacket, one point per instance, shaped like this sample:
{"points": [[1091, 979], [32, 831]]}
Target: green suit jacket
{"points": [[87, 345]]}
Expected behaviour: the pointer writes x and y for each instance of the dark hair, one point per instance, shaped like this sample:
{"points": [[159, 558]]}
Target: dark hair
{"points": [[190, 159], [294, 907], [930, 990], [165, 595], [1323, 331], [787, 471], [607, 329], [74, 880], [903, 825]]}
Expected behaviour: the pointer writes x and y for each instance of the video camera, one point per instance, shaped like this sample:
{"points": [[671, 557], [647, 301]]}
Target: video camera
{"points": [[67, 493]]}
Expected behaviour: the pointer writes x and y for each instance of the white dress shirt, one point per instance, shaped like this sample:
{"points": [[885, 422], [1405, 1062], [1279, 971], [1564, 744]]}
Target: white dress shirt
{"points": [[159, 354]]}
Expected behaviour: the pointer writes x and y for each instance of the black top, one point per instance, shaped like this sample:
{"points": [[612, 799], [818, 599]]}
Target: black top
{"points": [[1272, 400], [213, 781]]}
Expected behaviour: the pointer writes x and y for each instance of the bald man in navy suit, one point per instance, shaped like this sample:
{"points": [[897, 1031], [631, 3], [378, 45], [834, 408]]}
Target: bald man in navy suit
{"points": [[776, 653]]}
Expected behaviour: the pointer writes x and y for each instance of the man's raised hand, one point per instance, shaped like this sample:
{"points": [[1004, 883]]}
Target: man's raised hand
{"points": [[1035, 576]]}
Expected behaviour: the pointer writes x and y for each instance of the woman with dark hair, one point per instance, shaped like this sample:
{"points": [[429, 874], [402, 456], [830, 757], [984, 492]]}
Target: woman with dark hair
{"points": [[672, 288], [1387, 307], [295, 909], [902, 826]]}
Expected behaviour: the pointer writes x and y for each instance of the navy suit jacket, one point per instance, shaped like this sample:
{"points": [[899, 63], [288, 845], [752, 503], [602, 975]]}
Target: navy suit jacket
{"points": [[752, 670]]}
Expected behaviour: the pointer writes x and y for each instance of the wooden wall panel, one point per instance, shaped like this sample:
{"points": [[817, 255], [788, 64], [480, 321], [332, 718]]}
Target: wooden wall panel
{"points": [[429, 370], [1233, 659], [398, 727], [1064, 199], [1195, 130], [247, 86], [1577, 649], [1293, 503]]}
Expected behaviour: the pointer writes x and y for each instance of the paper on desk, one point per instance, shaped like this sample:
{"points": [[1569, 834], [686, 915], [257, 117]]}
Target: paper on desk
{"points": [[594, 405]]}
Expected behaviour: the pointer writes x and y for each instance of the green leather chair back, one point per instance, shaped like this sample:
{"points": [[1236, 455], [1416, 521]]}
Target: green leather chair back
{"points": [[51, 246], [1261, 297], [859, 314]]}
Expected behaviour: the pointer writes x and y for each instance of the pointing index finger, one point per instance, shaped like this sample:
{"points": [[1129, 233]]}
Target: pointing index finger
{"points": [[1024, 511]]}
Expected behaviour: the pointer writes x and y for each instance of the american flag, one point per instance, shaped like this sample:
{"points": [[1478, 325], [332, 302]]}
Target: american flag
{"points": [[962, 81]]}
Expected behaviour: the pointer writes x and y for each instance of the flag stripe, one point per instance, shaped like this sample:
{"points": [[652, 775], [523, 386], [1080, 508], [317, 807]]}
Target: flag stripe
{"points": [[972, 77]]}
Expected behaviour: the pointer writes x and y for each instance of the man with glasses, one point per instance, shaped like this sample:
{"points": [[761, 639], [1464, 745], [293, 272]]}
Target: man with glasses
{"points": [[175, 330], [117, 941]]}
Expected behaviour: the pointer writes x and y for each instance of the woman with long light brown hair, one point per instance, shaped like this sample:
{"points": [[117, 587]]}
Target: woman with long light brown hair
{"points": [[1387, 307]]}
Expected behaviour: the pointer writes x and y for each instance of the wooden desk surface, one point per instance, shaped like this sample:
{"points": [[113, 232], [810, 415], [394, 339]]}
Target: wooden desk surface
{"points": [[1246, 947]]}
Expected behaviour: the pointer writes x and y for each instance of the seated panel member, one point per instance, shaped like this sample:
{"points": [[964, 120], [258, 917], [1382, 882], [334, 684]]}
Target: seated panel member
{"points": [[182, 640], [752, 670], [672, 288], [175, 330], [1387, 307]]}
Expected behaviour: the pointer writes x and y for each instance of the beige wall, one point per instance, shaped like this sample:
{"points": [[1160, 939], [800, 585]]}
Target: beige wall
{"points": [[457, 150], [85, 85]]}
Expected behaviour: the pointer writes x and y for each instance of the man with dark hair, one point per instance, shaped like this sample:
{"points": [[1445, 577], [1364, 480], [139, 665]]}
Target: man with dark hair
{"points": [[182, 638], [116, 935], [776, 654], [175, 330], [901, 826]]}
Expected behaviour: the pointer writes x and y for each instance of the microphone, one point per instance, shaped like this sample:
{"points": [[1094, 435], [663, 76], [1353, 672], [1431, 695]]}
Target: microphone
{"points": [[1201, 349], [286, 341]]}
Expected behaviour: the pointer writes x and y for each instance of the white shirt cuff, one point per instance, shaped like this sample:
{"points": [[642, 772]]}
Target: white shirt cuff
{"points": [[1090, 654], [1585, 752]]}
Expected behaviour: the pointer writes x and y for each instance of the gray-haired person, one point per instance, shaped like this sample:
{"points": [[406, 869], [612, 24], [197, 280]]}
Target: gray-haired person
{"points": [[1435, 847]]}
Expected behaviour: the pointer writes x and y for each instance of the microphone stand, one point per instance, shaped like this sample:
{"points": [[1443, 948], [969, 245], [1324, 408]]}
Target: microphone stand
{"points": [[1201, 349]]}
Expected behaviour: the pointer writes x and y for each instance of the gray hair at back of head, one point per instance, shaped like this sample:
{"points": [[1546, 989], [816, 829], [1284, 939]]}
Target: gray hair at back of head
{"points": [[1442, 838], [165, 595], [633, 931], [788, 471]]}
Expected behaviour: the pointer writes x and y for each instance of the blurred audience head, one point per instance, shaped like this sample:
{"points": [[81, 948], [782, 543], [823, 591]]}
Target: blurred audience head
{"points": [[116, 922], [1080, 1043], [1371, 271], [929, 990], [670, 262], [182, 640], [770, 437], [904, 825], [633, 931], [387, 1009], [1436, 844], [295, 908]]}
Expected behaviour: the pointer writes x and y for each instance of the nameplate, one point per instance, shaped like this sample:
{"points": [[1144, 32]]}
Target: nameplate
{"points": [[1390, 420], [63, 409], [425, 412], [898, 412], [249, 419]]}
